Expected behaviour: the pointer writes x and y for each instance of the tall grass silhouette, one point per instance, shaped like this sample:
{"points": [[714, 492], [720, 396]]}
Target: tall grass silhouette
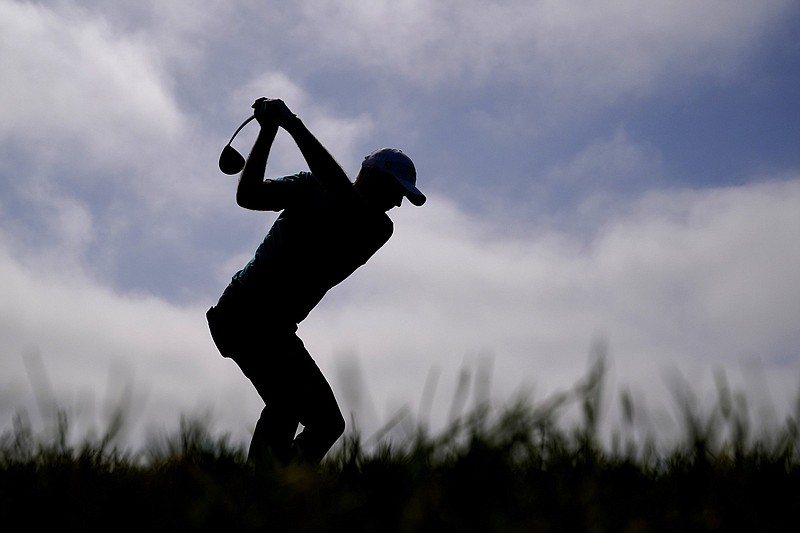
{"points": [[514, 468]]}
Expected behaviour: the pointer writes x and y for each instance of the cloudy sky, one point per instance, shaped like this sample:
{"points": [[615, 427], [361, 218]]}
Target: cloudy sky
{"points": [[617, 174]]}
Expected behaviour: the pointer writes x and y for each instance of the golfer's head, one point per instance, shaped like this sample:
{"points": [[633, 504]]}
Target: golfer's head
{"points": [[398, 166]]}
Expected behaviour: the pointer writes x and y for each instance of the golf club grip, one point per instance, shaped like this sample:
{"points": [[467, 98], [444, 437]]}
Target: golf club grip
{"points": [[245, 123]]}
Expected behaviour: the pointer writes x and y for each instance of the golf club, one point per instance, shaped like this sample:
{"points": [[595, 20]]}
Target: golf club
{"points": [[230, 161]]}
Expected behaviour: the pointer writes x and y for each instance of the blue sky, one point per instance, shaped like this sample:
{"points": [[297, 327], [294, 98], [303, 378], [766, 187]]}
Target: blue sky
{"points": [[615, 171]]}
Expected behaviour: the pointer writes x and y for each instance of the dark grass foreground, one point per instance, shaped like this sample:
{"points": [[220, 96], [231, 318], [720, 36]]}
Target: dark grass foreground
{"points": [[513, 471]]}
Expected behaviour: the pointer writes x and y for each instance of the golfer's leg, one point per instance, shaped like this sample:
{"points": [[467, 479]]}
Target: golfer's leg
{"points": [[272, 438], [276, 428], [320, 415]]}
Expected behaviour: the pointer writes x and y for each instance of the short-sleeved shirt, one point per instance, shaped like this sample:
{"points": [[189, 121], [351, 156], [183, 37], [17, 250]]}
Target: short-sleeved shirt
{"points": [[319, 239]]}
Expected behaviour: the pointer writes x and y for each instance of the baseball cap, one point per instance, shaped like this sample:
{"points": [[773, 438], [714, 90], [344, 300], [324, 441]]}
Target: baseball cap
{"points": [[395, 162]]}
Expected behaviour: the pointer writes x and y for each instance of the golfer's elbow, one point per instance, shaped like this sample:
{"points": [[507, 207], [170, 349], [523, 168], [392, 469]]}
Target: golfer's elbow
{"points": [[246, 201], [242, 199], [256, 198]]}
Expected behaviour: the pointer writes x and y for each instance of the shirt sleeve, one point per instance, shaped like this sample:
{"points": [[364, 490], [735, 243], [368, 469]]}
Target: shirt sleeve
{"points": [[293, 190]]}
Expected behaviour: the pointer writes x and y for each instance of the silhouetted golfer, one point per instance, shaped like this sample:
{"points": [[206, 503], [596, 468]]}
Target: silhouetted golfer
{"points": [[328, 227]]}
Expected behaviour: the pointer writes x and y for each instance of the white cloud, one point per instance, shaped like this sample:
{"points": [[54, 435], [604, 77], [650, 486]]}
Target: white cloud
{"points": [[608, 163], [606, 48], [71, 83], [89, 340]]}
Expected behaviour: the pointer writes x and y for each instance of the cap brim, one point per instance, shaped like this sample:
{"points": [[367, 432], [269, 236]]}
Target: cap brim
{"points": [[413, 194]]}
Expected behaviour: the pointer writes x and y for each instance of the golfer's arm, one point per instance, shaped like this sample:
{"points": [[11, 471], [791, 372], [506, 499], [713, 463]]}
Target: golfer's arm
{"points": [[253, 191], [320, 162]]}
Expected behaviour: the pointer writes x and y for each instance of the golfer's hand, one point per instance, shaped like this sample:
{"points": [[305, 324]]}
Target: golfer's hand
{"points": [[273, 112]]}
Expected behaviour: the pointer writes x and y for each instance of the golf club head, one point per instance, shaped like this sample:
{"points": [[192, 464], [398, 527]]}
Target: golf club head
{"points": [[230, 161]]}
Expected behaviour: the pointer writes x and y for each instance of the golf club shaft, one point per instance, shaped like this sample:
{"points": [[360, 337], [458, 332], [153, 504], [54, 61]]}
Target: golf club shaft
{"points": [[240, 127]]}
